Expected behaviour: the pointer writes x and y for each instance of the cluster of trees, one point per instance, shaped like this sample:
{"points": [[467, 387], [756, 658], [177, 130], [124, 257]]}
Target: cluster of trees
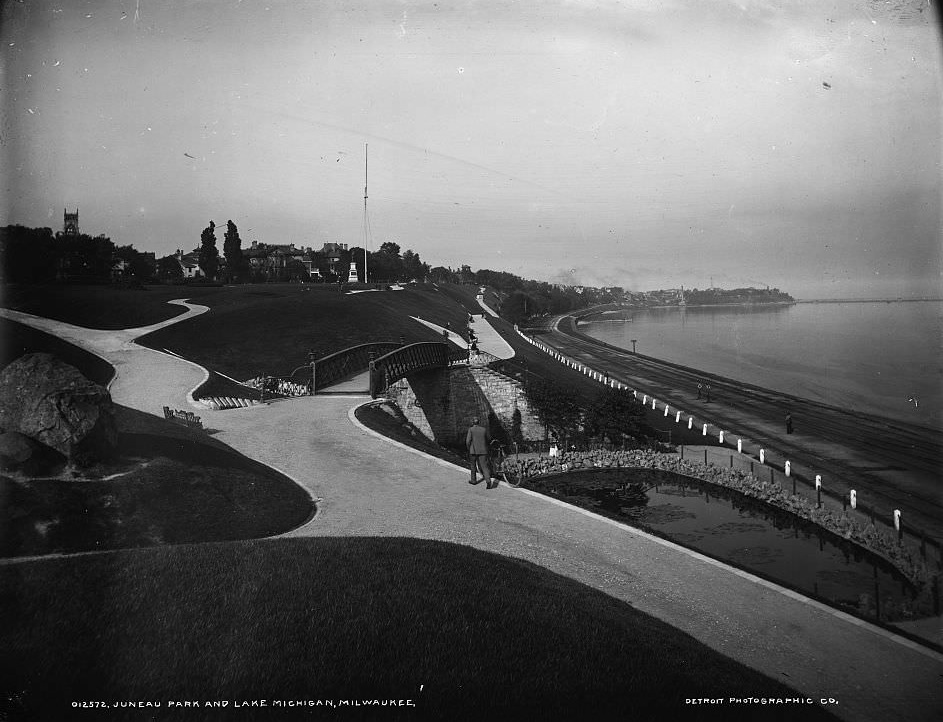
{"points": [[612, 415], [525, 298], [235, 267], [388, 264], [35, 255], [714, 296]]}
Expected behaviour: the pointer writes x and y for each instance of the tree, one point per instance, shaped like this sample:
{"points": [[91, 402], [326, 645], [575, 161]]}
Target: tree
{"points": [[413, 268], [441, 274], [85, 257], [557, 407], [168, 269], [386, 264], [208, 260], [28, 255], [390, 247], [616, 413], [140, 265], [519, 306], [232, 251], [296, 271]]}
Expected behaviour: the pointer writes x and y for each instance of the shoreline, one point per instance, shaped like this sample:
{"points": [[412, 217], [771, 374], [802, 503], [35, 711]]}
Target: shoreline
{"points": [[786, 380], [716, 377], [893, 464]]}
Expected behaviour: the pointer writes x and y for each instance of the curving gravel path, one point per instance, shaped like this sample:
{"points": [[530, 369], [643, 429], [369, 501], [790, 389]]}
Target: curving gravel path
{"points": [[372, 486]]}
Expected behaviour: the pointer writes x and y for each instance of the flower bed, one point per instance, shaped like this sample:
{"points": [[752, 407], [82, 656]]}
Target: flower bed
{"points": [[868, 536]]}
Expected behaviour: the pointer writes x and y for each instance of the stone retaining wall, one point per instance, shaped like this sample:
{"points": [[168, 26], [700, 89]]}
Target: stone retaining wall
{"points": [[443, 402]]}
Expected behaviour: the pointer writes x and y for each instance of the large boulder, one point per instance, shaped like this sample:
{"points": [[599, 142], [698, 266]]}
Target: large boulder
{"points": [[52, 402], [19, 453]]}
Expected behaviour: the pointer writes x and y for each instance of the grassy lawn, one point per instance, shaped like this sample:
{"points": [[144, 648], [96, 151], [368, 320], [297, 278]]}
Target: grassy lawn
{"points": [[104, 307], [169, 485], [462, 633], [271, 328]]}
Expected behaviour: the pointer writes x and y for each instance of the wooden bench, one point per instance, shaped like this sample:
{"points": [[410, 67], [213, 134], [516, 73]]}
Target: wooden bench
{"points": [[187, 418]]}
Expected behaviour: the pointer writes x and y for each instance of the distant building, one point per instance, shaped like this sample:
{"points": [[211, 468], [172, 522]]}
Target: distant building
{"points": [[189, 263], [333, 255], [70, 223], [275, 262]]}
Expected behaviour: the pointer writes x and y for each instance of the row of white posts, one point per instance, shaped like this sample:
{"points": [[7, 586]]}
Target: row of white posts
{"points": [[787, 466]]}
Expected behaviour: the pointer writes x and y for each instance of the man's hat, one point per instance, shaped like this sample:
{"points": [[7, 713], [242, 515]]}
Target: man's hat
{"points": [[476, 420]]}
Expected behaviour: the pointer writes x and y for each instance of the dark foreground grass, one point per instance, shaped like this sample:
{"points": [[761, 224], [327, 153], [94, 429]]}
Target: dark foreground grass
{"points": [[169, 485], [460, 633]]}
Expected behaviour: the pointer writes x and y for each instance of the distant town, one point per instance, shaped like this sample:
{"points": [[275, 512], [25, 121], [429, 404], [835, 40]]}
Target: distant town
{"points": [[37, 255]]}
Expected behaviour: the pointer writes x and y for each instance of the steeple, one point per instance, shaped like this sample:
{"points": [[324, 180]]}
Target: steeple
{"points": [[70, 223]]}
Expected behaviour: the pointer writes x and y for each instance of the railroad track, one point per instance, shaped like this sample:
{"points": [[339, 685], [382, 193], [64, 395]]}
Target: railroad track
{"points": [[857, 448]]}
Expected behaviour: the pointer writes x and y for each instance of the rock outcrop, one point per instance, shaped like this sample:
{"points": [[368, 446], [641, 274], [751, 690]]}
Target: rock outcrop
{"points": [[19, 453], [53, 403]]}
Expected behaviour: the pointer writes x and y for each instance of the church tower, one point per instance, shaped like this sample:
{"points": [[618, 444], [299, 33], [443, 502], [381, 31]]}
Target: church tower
{"points": [[70, 223]]}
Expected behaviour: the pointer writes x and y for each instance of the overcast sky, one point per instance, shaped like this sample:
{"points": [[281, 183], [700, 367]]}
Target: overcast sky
{"points": [[642, 143]]}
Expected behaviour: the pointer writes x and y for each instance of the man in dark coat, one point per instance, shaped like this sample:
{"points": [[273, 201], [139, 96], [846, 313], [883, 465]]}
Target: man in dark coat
{"points": [[476, 441]]}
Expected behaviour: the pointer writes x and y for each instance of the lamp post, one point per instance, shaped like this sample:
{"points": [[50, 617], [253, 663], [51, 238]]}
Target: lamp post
{"points": [[633, 344], [314, 376]]}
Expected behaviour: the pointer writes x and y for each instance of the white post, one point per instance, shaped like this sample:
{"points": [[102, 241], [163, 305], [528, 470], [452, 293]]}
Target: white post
{"points": [[721, 437], [645, 400], [818, 482], [739, 446], [897, 519], [854, 499], [704, 433], [762, 456], [653, 403], [788, 468], [678, 418], [690, 422], [635, 393], [666, 409]]}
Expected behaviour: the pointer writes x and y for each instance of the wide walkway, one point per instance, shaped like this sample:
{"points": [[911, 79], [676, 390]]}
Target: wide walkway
{"points": [[489, 340], [371, 486]]}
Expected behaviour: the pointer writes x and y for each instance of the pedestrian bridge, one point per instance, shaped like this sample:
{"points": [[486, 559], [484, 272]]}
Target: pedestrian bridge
{"points": [[382, 363]]}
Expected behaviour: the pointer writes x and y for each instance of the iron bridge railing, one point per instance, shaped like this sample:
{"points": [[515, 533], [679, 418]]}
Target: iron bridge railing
{"points": [[408, 359], [340, 365]]}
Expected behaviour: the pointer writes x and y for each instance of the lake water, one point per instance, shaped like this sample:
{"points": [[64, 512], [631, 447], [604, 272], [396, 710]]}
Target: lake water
{"points": [[871, 357], [749, 534]]}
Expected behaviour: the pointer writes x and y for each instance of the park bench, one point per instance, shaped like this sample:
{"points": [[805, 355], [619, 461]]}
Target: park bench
{"points": [[187, 418]]}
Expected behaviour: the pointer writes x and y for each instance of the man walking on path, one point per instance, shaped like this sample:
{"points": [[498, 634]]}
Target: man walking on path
{"points": [[476, 441], [788, 423]]}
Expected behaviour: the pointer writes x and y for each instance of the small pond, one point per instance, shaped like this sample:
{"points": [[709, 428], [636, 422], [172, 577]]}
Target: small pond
{"points": [[748, 534]]}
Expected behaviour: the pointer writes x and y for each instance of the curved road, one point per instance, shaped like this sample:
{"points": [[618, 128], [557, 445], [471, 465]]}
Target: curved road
{"points": [[891, 464]]}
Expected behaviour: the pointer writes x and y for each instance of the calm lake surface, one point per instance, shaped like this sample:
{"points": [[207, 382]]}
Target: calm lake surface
{"points": [[870, 357], [749, 534]]}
